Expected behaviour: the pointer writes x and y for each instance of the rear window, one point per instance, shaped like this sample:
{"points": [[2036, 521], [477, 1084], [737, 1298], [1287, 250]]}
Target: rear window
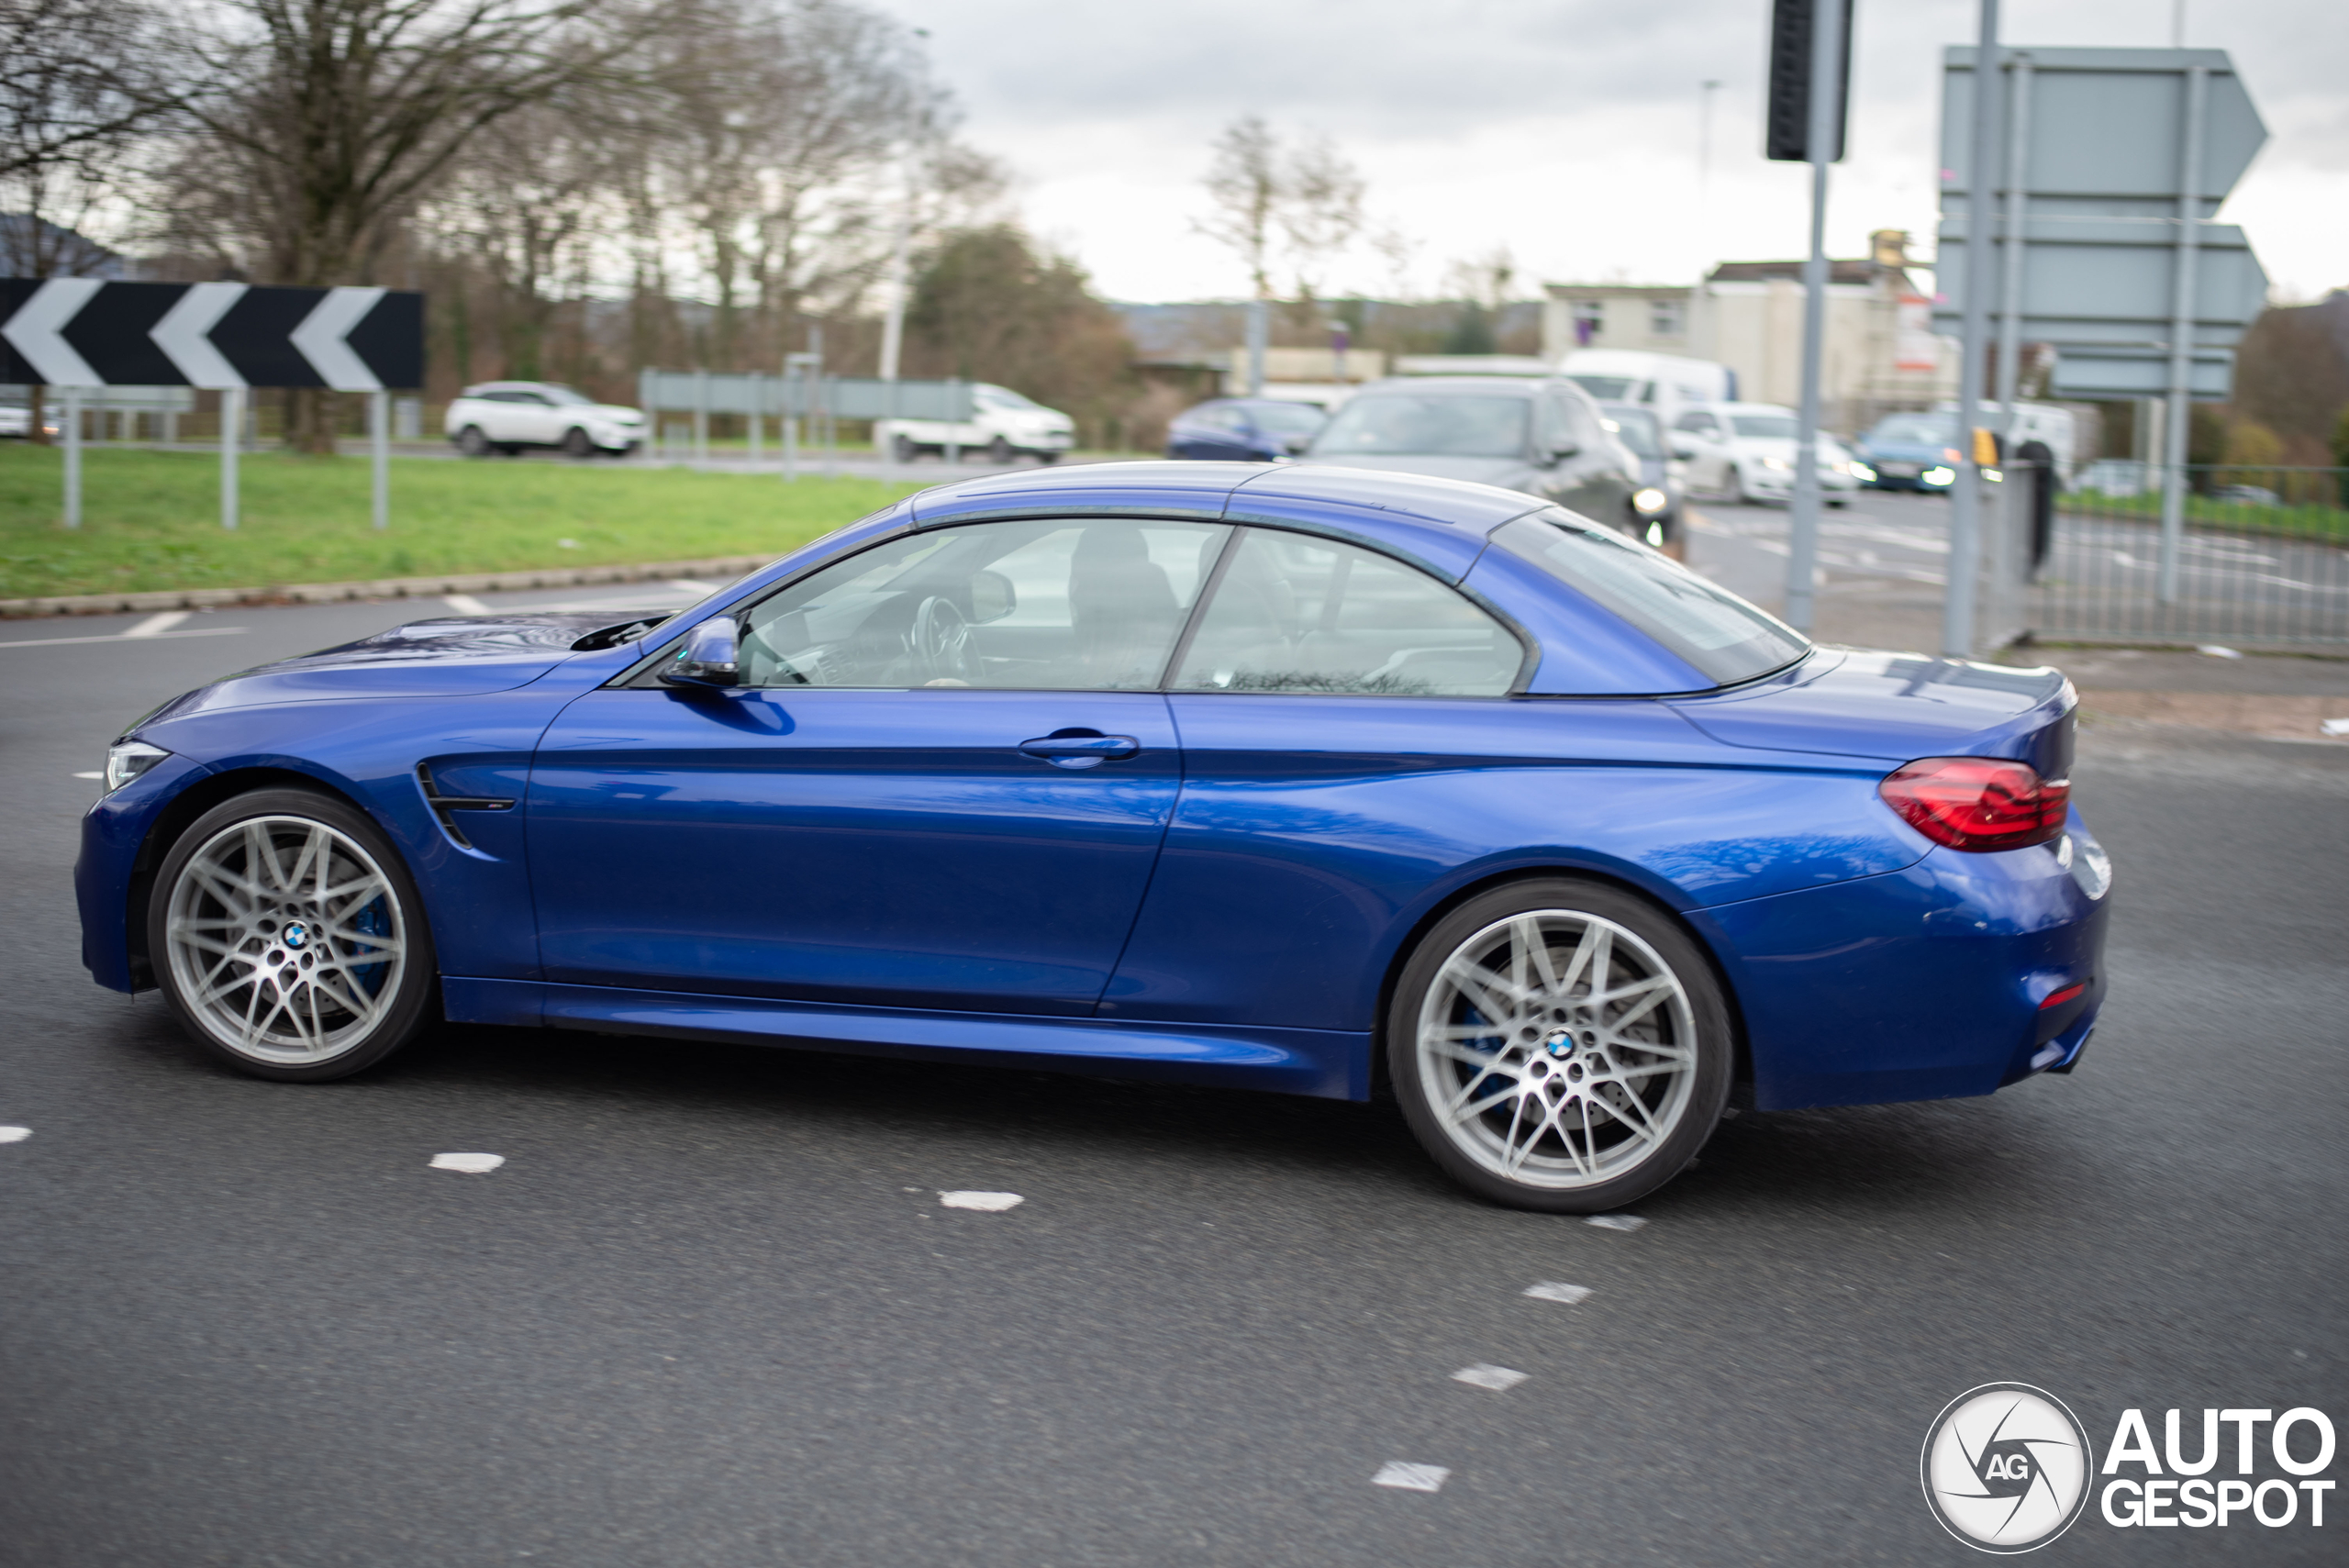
{"points": [[1708, 626]]}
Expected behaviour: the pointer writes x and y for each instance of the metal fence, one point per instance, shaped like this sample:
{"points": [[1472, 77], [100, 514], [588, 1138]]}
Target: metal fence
{"points": [[2262, 559]]}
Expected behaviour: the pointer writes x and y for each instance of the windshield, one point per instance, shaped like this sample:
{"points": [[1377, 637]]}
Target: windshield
{"points": [[1397, 424], [1764, 426], [1003, 397], [555, 394], [1915, 430], [1287, 418], [1636, 428], [1709, 628], [1606, 388]]}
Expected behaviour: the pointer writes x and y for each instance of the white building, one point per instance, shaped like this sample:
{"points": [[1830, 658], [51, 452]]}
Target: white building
{"points": [[1879, 352]]}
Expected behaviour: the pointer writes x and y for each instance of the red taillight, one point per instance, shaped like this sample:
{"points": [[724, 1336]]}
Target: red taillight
{"points": [[2069, 993], [1977, 802]]}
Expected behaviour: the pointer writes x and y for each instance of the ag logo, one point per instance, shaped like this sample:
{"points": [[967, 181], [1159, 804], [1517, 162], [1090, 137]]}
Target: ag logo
{"points": [[2006, 1467]]}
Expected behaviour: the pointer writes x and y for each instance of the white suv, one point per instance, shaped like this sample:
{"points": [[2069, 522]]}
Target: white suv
{"points": [[1745, 451], [1003, 425], [507, 416]]}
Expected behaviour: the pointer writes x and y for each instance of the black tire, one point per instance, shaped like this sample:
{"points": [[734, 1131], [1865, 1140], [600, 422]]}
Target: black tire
{"points": [[510, 449], [1048, 458], [902, 449], [1579, 1063], [472, 442], [999, 450], [290, 934], [577, 442]]}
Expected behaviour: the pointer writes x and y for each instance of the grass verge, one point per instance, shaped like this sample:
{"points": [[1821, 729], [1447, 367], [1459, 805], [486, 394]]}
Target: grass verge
{"points": [[151, 520]]}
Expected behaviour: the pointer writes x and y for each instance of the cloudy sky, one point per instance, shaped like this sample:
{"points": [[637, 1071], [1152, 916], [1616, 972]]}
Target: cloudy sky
{"points": [[1565, 129]]}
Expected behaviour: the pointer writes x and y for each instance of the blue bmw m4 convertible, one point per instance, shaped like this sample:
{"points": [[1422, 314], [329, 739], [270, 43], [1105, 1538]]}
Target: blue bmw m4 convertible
{"points": [[1308, 779]]}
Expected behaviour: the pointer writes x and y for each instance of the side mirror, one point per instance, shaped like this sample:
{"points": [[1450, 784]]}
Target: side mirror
{"points": [[1683, 446], [1562, 451], [708, 657], [992, 596]]}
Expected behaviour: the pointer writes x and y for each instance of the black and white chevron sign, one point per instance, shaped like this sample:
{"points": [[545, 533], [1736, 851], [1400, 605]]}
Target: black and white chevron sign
{"points": [[87, 332]]}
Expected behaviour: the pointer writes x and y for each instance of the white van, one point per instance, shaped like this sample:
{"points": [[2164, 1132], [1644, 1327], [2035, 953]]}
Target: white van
{"points": [[1003, 425], [1667, 382], [2032, 422]]}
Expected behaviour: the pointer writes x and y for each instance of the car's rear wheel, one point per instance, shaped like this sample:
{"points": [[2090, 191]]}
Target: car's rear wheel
{"points": [[902, 449], [577, 442], [288, 937], [1560, 1045], [999, 450], [472, 442]]}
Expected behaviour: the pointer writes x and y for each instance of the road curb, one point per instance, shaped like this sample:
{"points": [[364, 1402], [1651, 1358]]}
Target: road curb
{"points": [[381, 588]]}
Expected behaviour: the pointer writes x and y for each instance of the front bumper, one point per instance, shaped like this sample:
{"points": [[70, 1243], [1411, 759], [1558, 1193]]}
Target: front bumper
{"points": [[1922, 983], [107, 873]]}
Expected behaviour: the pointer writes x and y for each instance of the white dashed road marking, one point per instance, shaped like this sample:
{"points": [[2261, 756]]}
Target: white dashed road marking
{"points": [[466, 604], [121, 636], [471, 1164], [1616, 1221], [155, 626], [1553, 1290], [89, 775], [15, 1134], [1499, 1379], [993, 1203], [1411, 1477]]}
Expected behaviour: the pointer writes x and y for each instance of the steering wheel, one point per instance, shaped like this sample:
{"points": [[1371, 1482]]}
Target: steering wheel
{"points": [[941, 641]]}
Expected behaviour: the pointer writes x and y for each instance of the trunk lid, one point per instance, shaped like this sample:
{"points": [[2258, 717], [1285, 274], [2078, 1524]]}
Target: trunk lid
{"points": [[1896, 707]]}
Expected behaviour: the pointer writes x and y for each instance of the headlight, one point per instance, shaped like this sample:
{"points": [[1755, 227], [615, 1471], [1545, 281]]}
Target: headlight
{"points": [[126, 759], [1778, 464], [1863, 472], [1938, 475], [1650, 499]]}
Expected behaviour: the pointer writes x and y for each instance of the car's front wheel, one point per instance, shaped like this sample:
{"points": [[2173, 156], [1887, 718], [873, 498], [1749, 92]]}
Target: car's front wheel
{"points": [[288, 937], [902, 449], [1560, 1045], [472, 442], [577, 442]]}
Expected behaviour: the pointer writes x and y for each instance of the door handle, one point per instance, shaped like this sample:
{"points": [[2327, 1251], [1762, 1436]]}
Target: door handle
{"points": [[1083, 749]]}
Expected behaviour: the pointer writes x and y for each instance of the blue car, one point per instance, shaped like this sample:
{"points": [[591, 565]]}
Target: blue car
{"points": [[1243, 429], [1305, 778], [1909, 451]]}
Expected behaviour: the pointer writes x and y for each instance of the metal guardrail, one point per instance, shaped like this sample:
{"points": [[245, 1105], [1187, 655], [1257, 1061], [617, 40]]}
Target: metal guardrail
{"points": [[2263, 559]]}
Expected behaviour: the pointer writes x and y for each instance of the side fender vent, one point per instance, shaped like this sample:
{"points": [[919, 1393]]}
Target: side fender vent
{"points": [[444, 806]]}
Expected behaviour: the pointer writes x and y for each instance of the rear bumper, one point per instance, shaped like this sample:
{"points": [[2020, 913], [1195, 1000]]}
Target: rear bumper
{"points": [[1923, 984]]}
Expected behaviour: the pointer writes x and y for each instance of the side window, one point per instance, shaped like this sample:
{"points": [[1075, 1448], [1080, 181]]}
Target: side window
{"points": [[1055, 604], [1297, 614]]}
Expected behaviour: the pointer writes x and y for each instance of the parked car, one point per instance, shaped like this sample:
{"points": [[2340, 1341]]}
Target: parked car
{"points": [[1662, 494], [2247, 496], [1234, 774], [1002, 427], [1543, 436], [1244, 430], [1745, 451], [1911, 451], [17, 421], [507, 416], [1667, 383]]}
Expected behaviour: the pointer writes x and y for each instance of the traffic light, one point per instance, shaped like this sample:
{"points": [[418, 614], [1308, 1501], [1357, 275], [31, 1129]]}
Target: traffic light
{"points": [[1788, 127]]}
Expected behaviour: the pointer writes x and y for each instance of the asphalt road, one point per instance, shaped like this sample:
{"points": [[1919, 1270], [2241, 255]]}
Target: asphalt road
{"points": [[711, 1311]]}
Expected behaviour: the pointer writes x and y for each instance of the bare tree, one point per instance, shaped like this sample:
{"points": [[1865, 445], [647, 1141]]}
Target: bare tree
{"points": [[325, 122], [1244, 182], [1321, 209]]}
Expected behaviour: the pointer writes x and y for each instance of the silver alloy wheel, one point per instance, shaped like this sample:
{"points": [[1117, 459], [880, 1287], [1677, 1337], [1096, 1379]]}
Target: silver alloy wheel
{"points": [[1556, 1049], [286, 941]]}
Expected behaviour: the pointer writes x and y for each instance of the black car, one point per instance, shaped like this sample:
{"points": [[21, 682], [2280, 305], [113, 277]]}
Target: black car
{"points": [[1243, 429], [1662, 494], [1544, 436]]}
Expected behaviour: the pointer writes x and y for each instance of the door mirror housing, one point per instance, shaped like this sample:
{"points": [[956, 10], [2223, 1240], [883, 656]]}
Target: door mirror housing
{"points": [[1684, 446], [992, 597], [709, 656], [1561, 450]]}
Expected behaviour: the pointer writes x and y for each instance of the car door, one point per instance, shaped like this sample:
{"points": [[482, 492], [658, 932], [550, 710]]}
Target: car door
{"points": [[943, 784], [1319, 699], [1708, 463]]}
